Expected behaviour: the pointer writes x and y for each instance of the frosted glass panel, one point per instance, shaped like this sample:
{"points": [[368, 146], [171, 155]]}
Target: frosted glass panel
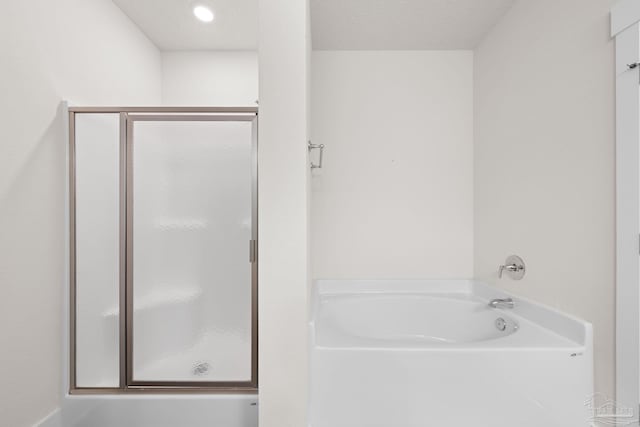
{"points": [[192, 223], [97, 249]]}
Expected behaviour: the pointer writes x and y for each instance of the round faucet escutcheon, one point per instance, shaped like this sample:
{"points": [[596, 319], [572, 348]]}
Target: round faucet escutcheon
{"points": [[513, 267]]}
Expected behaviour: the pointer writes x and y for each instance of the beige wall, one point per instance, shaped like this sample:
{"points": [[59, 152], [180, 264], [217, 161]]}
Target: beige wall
{"points": [[88, 52], [283, 213], [544, 160], [395, 196], [221, 78]]}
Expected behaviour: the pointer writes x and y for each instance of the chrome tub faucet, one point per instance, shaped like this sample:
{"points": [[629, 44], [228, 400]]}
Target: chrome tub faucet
{"points": [[502, 303]]}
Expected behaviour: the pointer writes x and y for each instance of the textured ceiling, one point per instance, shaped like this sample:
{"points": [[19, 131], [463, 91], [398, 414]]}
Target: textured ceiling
{"points": [[336, 24], [403, 24], [170, 24]]}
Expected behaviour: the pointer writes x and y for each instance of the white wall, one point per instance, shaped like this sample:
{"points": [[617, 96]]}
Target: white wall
{"points": [[218, 78], [88, 52], [395, 196], [544, 160], [283, 213]]}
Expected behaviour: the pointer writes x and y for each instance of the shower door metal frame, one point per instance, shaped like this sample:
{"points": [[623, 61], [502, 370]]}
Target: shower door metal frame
{"points": [[131, 119], [128, 115]]}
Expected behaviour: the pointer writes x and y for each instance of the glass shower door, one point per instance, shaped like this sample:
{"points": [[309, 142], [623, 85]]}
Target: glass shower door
{"points": [[191, 235]]}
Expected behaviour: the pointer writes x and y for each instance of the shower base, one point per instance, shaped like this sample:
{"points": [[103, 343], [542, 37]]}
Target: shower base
{"points": [[197, 363], [203, 361], [161, 411]]}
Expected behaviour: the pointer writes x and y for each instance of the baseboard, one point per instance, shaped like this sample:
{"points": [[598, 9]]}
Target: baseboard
{"points": [[54, 419]]}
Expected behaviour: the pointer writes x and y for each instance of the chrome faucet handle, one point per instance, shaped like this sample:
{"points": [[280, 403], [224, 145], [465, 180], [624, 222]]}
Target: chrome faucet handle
{"points": [[510, 267], [514, 266]]}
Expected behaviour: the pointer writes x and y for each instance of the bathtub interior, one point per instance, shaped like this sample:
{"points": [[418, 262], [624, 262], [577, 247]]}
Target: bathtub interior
{"points": [[425, 319], [433, 314]]}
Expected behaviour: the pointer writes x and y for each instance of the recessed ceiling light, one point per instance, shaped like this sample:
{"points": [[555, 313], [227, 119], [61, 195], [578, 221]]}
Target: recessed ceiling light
{"points": [[203, 13]]}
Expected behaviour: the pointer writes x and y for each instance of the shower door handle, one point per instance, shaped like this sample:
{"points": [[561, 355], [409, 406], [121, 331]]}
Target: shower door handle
{"points": [[253, 251]]}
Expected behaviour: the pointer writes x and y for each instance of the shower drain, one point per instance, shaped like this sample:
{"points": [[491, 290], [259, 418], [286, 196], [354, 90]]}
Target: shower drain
{"points": [[501, 324], [201, 369]]}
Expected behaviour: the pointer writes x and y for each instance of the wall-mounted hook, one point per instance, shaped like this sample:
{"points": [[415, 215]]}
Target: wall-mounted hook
{"points": [[316, 147]]}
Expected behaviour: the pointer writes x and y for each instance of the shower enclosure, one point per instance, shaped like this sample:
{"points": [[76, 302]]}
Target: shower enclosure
{"points": [[163, 249]]}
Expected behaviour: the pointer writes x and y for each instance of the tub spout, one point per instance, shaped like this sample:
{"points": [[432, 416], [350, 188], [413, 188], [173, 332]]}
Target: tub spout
{"points": [[502, 303]]}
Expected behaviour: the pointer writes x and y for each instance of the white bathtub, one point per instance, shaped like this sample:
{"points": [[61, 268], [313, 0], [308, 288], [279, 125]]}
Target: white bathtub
{"points": [[429, 353]]}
